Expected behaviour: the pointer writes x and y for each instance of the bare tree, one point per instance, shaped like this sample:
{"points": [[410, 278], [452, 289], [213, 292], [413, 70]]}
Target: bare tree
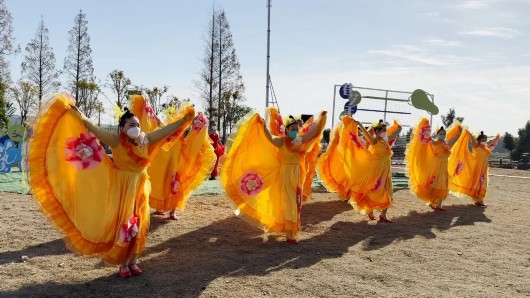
{"points": [[119, 84], [38, 67], [207, 83], [25, 95], [88, 92], [7, 46], [230, 82], [154, 96], [78, 62]]}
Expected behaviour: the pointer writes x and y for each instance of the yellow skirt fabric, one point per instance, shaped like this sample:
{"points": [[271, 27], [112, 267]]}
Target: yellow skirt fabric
{"points": [[100, 205], [262, 180], [274, 122], [427, 164], [468, 169], [361, 175], [179, 169]]}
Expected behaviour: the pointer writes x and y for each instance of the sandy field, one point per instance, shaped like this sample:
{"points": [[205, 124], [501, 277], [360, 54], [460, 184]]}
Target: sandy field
{"points": [[465, 252]]}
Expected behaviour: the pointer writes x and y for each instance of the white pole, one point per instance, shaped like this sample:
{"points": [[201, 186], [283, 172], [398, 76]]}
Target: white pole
{"points": [[333, 111], [268, 51]]}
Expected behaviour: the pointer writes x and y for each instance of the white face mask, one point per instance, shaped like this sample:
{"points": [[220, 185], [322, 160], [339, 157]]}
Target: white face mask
{"points": [[483, 143], [133, 132]]}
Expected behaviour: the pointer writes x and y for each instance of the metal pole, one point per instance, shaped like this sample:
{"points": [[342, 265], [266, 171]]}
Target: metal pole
{"points": [[386, 102], [268, 51], [333, 112], [432, 96]]}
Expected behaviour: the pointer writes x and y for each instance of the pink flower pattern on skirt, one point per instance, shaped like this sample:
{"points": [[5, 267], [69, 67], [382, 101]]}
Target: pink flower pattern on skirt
{"points": [[378, 184], [199, 122], [150, 112], [425, 134], [251, 184], [130, 229], [175, 183], [459, 168], [84, 152], [355, 138]]}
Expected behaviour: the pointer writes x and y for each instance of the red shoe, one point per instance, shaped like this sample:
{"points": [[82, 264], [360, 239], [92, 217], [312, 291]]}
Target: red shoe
{"points": [[135, 270], [173, 217], [433, 207], [440, 209], [384, 219], [292, 241], [480, 204], [371, 216], [125, 274], [157, 212]]}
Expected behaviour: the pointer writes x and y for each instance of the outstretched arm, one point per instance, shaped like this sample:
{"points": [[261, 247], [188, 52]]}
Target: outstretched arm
{"points": [[104, 136], [367, 135], [321, 122], [452, 141], [169, 129], [493, 143], [395, 134], [278, 142]]}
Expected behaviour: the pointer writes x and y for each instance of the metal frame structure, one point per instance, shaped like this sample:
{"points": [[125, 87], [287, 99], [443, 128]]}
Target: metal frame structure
{"points": [[386, 99]]}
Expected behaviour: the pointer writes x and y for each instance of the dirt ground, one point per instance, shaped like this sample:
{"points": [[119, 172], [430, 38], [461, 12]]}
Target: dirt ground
{"points": [[464, 252]]}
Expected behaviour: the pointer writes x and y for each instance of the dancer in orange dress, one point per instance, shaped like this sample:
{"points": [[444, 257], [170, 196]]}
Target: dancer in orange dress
{"points": [[359, 173], [100, 205], [261, 173], [468, 166], [427, 161]]}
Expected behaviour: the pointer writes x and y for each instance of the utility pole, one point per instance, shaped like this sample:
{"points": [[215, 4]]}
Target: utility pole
{"points": [[268, 51]]}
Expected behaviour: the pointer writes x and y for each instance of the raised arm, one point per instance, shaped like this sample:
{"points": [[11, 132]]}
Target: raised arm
{"points": [[367, 135], [493, 143], [396, 133], [452, 141], [104, 136], [321, 122], [276, 141], [169, 129]]}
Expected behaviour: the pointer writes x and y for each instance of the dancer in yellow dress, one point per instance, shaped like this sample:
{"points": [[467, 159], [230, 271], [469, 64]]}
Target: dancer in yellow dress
{"points": [[182, 165], [358, 173], [427, 160], [100, 205], [275, 124], [261, 173], [468, 166]]}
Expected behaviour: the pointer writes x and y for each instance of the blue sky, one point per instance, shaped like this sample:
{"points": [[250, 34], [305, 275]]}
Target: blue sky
{"points": [[472, 55]]}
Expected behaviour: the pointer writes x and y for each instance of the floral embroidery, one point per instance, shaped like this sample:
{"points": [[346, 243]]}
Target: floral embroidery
{"points": [[378, 184], [175, 183], [251, 184], [459, 168], [482, 179], [84, 152], [309, 128], [130, 229], [299, 200], [355, 138], [279, 124], [425, 134], [199, 122], [432, 180], [150, 112]]}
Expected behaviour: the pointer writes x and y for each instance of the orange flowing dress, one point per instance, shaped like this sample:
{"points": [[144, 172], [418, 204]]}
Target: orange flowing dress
{"points": [[427, 163], [182, 165], [468, 168], [100, 205], [263, 181], [276, 126], [359, 173]]}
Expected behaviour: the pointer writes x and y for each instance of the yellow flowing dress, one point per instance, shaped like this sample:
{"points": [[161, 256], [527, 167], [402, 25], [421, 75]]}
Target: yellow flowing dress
{"points": [[100, 205], [182, 165], [468, 168], [262, 180], [427, 163], [276, 126], [360, 174]]}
